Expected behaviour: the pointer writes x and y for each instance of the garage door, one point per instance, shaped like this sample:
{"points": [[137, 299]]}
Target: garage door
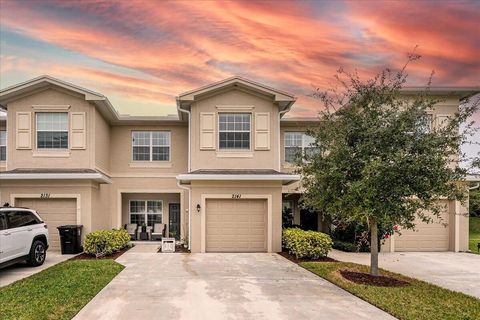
{"points": [[429, 237], [55, 212], [236, 225]]}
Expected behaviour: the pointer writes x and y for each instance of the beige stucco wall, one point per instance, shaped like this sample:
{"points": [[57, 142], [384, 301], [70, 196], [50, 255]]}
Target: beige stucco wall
{"points": [[245, 189], [248, 159], [102, 140], [49, 159], [85, 190], [166, 198], [121, 152]]}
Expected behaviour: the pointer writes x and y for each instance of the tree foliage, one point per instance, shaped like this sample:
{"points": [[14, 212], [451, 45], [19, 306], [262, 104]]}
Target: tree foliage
{"points": [[378, 163]]}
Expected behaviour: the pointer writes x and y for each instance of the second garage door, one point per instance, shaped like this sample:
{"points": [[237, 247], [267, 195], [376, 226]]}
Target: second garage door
{"points": [[427, 237], [236, 225], [55, 212]]}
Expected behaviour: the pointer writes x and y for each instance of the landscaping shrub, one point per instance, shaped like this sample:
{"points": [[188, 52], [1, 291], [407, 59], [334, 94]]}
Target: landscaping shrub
{"points": [[344, 246], [306, 244], [106, 242]]}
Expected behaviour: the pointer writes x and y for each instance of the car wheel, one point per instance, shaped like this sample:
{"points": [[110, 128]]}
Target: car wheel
{"points": [[37, 254]]}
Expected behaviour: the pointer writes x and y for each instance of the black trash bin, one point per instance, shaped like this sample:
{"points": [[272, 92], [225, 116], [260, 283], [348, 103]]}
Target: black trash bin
{"points": [[71, 238]]}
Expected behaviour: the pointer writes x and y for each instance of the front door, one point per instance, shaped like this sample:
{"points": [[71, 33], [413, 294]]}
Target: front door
{"points": [[174, 220]]}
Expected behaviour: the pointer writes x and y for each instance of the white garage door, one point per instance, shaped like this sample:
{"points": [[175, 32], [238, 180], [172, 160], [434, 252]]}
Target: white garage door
{"points": [[55, 212], [236, 225], [428, 237]]}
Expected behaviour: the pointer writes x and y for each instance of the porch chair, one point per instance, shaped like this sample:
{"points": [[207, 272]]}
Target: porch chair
{"points": [[148, 230], [132, 230], [157, 232]]}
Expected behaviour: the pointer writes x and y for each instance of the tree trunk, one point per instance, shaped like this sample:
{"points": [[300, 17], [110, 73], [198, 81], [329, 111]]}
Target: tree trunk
{"points": [[373, 248]]}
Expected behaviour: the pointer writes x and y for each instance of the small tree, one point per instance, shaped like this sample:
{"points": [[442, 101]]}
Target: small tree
{"points": [[379, 161]]}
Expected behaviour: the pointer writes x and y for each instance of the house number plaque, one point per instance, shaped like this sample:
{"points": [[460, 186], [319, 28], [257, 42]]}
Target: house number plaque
{"points": [[236, 195]]}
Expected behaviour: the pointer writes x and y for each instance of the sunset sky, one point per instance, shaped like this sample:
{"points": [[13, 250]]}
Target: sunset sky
{"points": [[141, 54]]}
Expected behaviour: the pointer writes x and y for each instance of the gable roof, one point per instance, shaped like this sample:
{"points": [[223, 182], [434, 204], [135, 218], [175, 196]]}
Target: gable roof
{"points": [[43, 82], [284, 99]]}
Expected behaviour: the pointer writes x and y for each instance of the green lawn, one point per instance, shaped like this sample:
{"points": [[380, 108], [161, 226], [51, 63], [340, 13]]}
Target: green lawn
{"points": [[474, 233], [417, 301], [58, 292]]}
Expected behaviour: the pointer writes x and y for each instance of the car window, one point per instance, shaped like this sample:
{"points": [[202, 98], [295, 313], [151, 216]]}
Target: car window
{"points": [[3, 221], [17, 219]]}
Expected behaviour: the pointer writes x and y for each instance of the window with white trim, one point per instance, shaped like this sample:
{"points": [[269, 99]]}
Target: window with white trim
{"points": [[146, 212], [234, 130], [52, 130], [298, 144], [150, 145], [425, 123], [3, 145]]}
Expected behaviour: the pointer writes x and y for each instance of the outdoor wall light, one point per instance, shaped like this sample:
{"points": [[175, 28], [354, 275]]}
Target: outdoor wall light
{"points": [[198, 208]]}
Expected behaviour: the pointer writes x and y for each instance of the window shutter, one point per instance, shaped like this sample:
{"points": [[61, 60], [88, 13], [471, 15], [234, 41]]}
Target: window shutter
{"points": [[262, 131], [78, 136], [207, 130], [442, 121], [24, 130]]}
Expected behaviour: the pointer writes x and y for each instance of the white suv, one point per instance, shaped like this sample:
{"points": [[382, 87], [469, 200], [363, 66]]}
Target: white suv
{"points": [[23, 236]]}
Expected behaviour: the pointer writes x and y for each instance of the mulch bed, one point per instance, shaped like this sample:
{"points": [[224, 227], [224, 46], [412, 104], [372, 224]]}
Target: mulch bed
{"points": [[85, 256], [179, 248], [367, 279], [292, 258]]}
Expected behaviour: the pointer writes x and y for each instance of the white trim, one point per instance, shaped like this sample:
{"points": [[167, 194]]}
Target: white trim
{"points": [[55, 176], [151, 147], [36, 131], [75, 196], [267, 197], [250, 149], [145, 213]]}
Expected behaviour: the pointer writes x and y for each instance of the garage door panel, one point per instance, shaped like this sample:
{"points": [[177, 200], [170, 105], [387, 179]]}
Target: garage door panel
{"points": [[427, 236], [54, 212], [236, 225]]}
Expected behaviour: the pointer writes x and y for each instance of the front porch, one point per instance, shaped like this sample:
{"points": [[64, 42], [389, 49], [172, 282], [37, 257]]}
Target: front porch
{"points": [[151, 216]]}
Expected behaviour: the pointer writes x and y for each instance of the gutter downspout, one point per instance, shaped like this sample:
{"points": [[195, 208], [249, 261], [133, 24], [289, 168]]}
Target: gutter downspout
{"points": [[189, 169], [189, 213]]}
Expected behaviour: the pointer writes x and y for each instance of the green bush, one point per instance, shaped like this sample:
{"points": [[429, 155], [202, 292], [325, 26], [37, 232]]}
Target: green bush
{"points": [[306, 244], [106, 242], [344, 246]]}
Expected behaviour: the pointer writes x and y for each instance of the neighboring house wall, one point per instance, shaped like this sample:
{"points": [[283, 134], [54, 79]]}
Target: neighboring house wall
{"points": [[28, 155], [234, 101]]}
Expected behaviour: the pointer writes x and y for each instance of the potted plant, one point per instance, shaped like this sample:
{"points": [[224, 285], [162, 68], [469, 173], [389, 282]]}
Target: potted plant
{"points": [[185, 242], [144, 227]]}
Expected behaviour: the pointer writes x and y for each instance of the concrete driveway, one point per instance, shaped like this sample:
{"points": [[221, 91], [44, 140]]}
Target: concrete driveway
{"points": [[22, 270], [221, 286], [454, 271]]}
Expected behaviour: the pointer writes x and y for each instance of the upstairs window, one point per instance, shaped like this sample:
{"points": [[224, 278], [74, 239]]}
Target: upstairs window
{"points": [[151, 146], [298, 144], [425, 123], [234, 131], [3, 145], [52, 130]]}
